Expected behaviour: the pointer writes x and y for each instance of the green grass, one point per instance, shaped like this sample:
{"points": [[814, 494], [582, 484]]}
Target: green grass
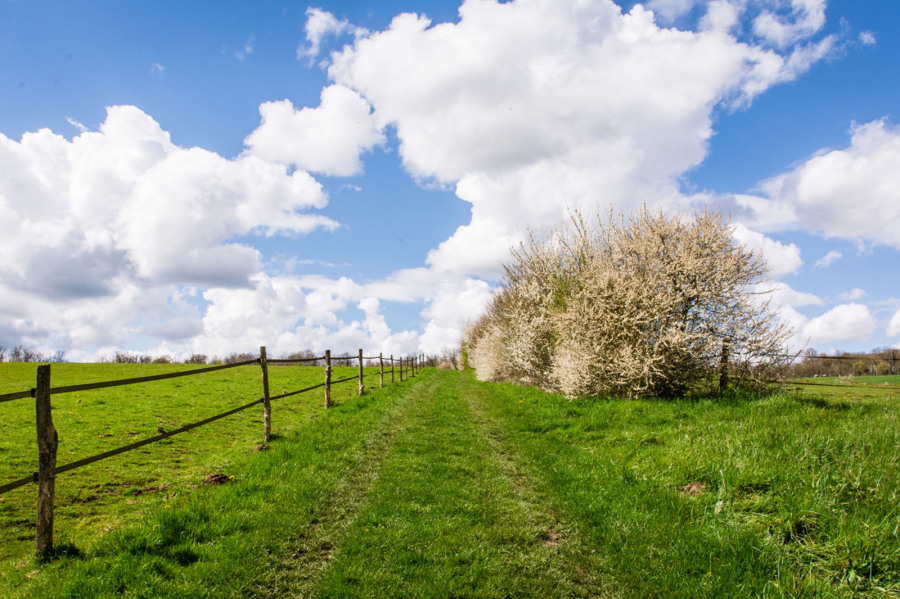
{"points": [[792, 496], [856, 389], [98, 498], [448, 487]]}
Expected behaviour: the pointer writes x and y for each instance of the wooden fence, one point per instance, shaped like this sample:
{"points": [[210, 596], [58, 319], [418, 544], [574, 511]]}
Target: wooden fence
{"points": [[48, 439]]}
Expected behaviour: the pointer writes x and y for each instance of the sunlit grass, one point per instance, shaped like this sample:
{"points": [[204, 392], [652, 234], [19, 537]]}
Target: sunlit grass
{"points": [[449, 487], [788, 495], [96, 499]]}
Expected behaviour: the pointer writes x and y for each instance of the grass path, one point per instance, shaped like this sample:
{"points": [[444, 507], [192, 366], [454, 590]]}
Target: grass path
{"points": [[449, 514]]}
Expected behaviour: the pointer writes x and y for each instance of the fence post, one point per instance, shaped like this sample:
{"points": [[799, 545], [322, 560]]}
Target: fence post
{"points": [[360, 372], [327, 378], [267, 416], [723, 373], [48, 441], [392, 368], [380, 370]]}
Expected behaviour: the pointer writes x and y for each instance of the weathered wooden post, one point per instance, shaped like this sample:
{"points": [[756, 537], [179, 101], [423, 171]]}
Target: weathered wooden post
{"points": [[361, 387], [267, 416], [392, 368], [723, 372], [327, 378], [48, 441], [380, 370]]}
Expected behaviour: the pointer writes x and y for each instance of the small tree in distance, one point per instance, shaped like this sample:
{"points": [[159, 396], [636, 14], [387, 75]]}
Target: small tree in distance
{"points": [[639, 306]]}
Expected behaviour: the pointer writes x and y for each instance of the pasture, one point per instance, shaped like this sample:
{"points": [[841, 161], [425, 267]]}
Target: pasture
{"points": [[446, 486], [101, 497]]}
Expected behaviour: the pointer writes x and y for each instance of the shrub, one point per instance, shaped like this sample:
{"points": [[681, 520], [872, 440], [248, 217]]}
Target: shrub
{"points": [[642, 306]]}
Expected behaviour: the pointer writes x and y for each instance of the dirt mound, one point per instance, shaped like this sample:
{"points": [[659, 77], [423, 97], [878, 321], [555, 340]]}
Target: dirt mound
{"points": [[217, 479]]}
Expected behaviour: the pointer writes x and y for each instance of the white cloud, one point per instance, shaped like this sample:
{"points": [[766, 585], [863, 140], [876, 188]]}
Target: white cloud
{"points": [[781, 259], [568, 105], [806, 18], [157, 68], [246, 50], [76, 124], [854, 294], [290, 313], [102, 231], [893, 329], [828, 259], [327, 139], [852, 193], [782, 295], [847, 322], [320, 24], [867, 38], [449, 313]]}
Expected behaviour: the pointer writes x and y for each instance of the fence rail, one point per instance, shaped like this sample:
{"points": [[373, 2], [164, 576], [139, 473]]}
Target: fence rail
{"points": [[48, 439], [294, 361], [121, 382]]}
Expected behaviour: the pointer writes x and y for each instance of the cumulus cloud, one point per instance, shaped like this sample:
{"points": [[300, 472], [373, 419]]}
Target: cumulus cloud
{"points": [[893, 329], [867, 38], [852, 193], [847, 322], [88, 225], [781, 259], [782, 295], [320, 24], [291, 313], [328, 139], [449, 313], [565, 106]]}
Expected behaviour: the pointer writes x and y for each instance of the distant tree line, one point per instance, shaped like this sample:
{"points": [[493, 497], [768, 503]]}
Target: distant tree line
{"points": [[19, 353], [879, 361]]}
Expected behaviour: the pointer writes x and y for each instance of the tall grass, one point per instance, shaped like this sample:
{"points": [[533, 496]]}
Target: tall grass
{"points": [[781, 496]]}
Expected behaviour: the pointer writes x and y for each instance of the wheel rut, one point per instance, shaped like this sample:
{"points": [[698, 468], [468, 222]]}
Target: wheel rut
{"points": [[298, 572]]}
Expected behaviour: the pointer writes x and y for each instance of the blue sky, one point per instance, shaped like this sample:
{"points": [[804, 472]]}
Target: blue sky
{"points": [[210, 177]]}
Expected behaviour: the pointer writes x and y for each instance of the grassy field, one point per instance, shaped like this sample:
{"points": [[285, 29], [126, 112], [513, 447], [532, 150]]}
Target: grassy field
{"points": [[857, 388], [444, 486], [101, 497]]}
